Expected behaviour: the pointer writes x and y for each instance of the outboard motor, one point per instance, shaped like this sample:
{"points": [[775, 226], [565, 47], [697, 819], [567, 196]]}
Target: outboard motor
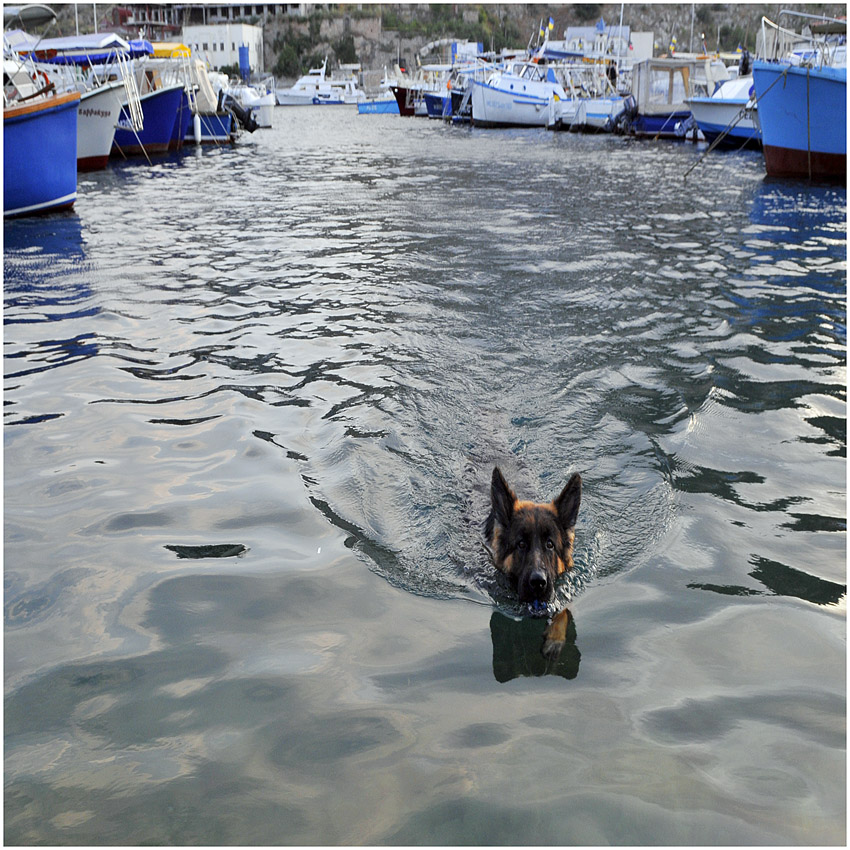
{"points": [[244, 116], [624, 120]]}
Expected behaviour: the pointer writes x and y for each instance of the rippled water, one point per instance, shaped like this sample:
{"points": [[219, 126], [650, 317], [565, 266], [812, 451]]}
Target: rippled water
{"points": [[253, 399]]}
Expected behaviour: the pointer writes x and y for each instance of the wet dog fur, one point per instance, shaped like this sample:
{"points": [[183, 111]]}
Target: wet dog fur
{"points": [[532, 544]]}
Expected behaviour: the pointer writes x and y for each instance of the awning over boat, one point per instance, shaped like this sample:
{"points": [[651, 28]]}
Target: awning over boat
{"points": [[79, 43], [170, 50], [141, 47], [550, 52], [90, 49]]}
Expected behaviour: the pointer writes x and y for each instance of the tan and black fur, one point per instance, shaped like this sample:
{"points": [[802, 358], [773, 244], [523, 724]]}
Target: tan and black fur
{"points": [[532, 544]]}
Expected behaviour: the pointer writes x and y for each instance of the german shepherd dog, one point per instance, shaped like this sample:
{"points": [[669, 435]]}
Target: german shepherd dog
{"points": [[532, 544]]}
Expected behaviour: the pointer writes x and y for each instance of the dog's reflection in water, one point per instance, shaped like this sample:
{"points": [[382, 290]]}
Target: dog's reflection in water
{"points": [[533, 646]]}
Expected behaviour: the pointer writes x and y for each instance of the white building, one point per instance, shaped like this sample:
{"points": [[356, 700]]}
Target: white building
{"points": [[219, 44], [598, 41]]}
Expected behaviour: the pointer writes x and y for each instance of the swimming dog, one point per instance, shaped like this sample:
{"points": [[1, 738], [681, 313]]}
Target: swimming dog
{"points": [[532, 544]]}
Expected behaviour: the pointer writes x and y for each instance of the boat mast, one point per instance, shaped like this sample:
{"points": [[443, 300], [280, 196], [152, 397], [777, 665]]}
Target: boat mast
{"points": [[691, 42], [620, 42]]}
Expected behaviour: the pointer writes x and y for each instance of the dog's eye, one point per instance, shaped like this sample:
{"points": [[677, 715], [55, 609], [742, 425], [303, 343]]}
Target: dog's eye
{"points": [[520, 544], [550, 544]]}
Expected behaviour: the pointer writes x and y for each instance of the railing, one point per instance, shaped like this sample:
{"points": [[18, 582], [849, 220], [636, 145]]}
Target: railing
{"points": [[189, 85], [134, 101], [779, 43]]}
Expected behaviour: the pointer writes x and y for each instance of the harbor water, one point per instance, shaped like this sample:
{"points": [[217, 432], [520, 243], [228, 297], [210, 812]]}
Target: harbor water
{"points": [[254, 396]]}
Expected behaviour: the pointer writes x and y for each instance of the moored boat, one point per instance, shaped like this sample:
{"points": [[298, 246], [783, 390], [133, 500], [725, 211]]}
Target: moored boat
{"points": [[803, 117], [378, 106], [438, 104], [160, 109], [729, 114], [213, 122], [214, 127], [40, 154], [802, 106], [657, 105], [592, 102], [315, 88], [517, 96], [410, 99], [99, 111], [258, 100]]}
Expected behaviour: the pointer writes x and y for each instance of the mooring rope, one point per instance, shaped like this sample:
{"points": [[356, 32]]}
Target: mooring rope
{"points": [[741, 114]]}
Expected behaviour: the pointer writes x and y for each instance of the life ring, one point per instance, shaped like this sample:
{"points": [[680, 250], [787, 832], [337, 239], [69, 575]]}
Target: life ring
{"points": [[40, 78]]}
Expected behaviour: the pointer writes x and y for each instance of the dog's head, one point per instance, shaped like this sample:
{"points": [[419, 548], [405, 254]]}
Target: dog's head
{"points": [[532, 543]]}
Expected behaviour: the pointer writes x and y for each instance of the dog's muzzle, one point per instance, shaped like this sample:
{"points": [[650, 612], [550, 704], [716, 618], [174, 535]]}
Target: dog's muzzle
{"points": [[536, 588]]}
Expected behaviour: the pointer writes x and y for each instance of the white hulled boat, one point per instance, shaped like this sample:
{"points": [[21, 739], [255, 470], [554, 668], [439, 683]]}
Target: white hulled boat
{"points": [[592, 102], [315, 88], [720, 114], [516, 96]]}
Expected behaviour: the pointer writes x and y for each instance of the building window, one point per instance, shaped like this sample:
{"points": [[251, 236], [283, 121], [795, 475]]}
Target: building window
{"points": [[222, 47], [205, 46]]}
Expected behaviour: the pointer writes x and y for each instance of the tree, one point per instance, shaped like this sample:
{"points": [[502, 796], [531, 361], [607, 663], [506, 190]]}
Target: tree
{"points": [[344, 50]]}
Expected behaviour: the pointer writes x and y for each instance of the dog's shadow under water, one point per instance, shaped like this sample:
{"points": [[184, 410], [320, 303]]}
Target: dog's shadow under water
{"points": [[518, 649]]}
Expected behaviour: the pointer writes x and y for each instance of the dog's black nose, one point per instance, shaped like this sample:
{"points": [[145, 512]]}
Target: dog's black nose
{"points": [[537, 581]]}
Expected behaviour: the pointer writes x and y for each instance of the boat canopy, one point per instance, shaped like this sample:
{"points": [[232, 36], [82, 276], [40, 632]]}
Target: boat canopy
{"points": [[554, 53], [661, 85], [90, 43], [170, 50], [85, 50], [141, 47]]}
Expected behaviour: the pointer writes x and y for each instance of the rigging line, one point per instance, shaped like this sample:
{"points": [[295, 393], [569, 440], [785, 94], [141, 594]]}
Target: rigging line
{"points": [[735, 120], [720, 137], [661, 130], [808, 126]]}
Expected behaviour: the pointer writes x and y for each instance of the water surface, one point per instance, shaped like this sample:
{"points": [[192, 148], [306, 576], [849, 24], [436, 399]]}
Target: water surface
{"points": [[254, 396]]}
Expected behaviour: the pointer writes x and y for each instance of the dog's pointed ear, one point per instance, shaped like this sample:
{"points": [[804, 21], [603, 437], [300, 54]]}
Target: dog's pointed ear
{"points": [[568, 503], [503, 498]]}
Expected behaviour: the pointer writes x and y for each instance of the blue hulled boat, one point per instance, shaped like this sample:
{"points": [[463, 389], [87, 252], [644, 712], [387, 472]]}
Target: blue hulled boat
{"points": [[215, 127], [438, 105], [160, 109], [40, 154], [182, 123], [802, 98], [657, 105], [803, 116], [382, 106]]}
